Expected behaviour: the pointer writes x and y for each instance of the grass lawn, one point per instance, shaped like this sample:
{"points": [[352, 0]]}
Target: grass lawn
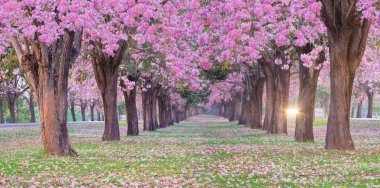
{"points": [[204, 151]]}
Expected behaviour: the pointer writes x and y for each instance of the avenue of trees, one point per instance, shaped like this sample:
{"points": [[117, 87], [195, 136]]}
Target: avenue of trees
{"points": [[184, 55]]}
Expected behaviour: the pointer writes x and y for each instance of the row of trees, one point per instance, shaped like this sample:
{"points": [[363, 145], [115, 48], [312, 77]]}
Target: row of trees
{"points": [[165, 48]]}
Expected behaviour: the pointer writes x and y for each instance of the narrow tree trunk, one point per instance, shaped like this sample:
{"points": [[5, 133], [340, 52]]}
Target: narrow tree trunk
{"points": [[72, 110], [31, 109], [11, 106], [353, 111], [237, 105], [98, 114], [359, 110], [83, 106], [370, 95], [131, 108], [92, 107], [1, 109], [244, 107]]}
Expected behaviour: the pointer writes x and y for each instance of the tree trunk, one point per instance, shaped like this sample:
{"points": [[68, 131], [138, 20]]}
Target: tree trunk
{"points": [[106, 70], [47, 71], [11, 100], [359, 110], [255, 88], [131, 108], [370, 95], [149, 110], [237, 105], [106, 77], [92, 107], [308, 78], [83, 106], [277, 90], [72, 110], [347, 38], [31, 109], [98, 114], [353, 111], [2, 120]]}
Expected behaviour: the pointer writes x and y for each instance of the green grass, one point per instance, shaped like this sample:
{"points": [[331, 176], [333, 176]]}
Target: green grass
{"points": [[319, 122], [193, 154]]}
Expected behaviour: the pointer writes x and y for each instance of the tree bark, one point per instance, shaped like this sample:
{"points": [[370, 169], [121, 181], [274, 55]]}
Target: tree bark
{"points": [[359, 110], [131, 108], [72, 110], [347, 35], [11, 100], [308, 78], [83, 106], [255, 87], [370, 96], [92, 107], [277, 91], [47, 71], [353, 111], [149, 110], [106, 75], [98, 114], [31, 108]]}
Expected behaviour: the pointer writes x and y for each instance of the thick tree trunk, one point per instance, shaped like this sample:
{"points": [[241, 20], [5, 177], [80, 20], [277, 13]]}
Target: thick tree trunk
{"points": [[359, 110], [306, 100], [131, 108], [163, 111], [47, 70], [277, 90], [72, 110], [31, 109], [347, 38], [83, 106]]}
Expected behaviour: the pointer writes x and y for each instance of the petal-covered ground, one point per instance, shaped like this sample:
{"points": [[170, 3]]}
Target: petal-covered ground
{"points": [[204, 151]]}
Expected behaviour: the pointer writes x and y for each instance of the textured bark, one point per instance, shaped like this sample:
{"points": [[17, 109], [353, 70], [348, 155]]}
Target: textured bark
{"points": [[72, 110], [237, 105], [163, 110], [83, 106], [244, 107], [131, 108], [277, 91], [31, 109], [149, 109], [255, 84], [47, 71], [106, 75], [359, 110], [308, 78], [347, 35]]}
